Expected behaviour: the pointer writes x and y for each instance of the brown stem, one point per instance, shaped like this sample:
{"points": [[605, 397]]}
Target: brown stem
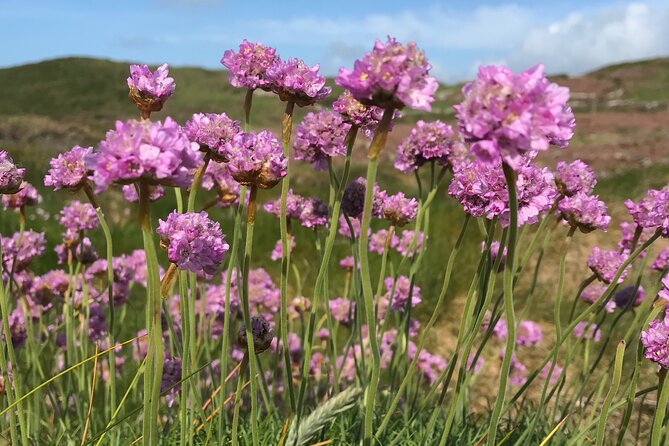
{"points": [[381, 134], [88, 190], [251, 210], [248, 101], [144, 206], [168, 278]]}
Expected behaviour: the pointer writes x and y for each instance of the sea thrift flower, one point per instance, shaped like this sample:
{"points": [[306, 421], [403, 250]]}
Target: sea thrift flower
{"points": [[278, 248], [80, 250], [377, 241], [505, 115], [605, 264], [593, 292], [518, 371], [529, 333], [17, 327], [294, 204], [11, 176], [356, 113], [320, 137], [475, 367], [68, 170], [248, 67], [587, 331], [428, 141], [262, 335], [256, 159], [557, 371], [148, 90], [399, 292], [500, 330], [122, 274], [78, 216], [630, 295], [130, 193], [294, 347], [50, 286], [494, 252], [212, 131], [405, 241], [347, 263], [294, 81], [144, 151], [585, 212], [429, 364], [574, 178], [655, 341], [392, 75], [399, 210], [664, 292], [97, 327], [32, 245], [353, 200], [662, 261], [171, 379], [194, 242], [314, 213], [652, 211], [217, 177], [628, 234], [341, 310], [345, 229], [26, 196]]}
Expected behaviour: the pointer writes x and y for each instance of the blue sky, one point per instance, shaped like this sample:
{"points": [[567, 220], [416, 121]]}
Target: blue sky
{"points": [[567, 36]]}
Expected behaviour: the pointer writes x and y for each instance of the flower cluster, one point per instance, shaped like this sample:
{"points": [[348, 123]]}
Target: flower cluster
{"points": [[218, 178], [529, 333], [78, 216], [655, 342], [256, 159], [428, 141], [68, 170], [22, 248], [398, 209], [194, 242], [574, 177], [148, 90], [392, 75], [341, 310], [652, 211], [605, 264], [144, 151], [506, 115], [11, 176], [585, 212], [294, 81], [26, 196], [320, 137], [247, 68], [212, 132], [354, 112], [661, 263]]}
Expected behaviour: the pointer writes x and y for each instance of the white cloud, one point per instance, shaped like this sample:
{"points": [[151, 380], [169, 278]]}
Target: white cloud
{"points": [[579, 43]]}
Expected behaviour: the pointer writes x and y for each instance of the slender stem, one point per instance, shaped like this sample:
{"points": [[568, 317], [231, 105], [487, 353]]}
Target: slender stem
{"points": [[329, 243], [617, 374], [238, 398], [662, 400], [286, 130], [246, 310], [248, 101], [509, 270], [154, 363], [197, 180], [10, 387]]}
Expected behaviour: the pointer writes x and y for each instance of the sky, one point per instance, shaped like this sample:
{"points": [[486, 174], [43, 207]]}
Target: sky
{"points": [[567, 36]]}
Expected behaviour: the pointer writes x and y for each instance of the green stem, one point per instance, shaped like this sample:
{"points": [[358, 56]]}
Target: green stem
{"points": [[663, 399], [197, 180], [286, 130], [238, 397], [510, 177], [10, 387], [617, 373]]}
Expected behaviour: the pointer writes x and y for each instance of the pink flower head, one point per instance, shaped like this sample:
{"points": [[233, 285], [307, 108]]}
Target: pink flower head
{"points": [[585, 212], [353, 112], [399, 210], [78, 216], [156, 192], [592, 293], [122, 275], [574, 177], [294, 205], [494, 252], [377, 241], [218, 178], [212, 131], [347, 263], [628, 234], [529, 333], [320, 137], [518, 371], [68, 170], [247, 68], [587, 331], [391, 75], [353, 200], [664, 292], [144, 151], [662, 261], [11, 176], [429, 364], [557, 371], [500, 330], [314, 213], [293, 80], [605, 264], [278, 248], [405, 241], [428, 141], [26, 196], [49, 287], [194, 241], [148, 90], [341, 310], [652, 211], [630, 295], [506, 115], [256, 159], [31, 245], [171, 379], [655, 341], [399, 292]]}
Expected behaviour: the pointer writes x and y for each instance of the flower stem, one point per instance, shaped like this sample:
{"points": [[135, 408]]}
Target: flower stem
{"points": [[286, 130], [154, 363], [10, 387], [509, 269], [197, 180], [238, 397], [662, 400]]}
